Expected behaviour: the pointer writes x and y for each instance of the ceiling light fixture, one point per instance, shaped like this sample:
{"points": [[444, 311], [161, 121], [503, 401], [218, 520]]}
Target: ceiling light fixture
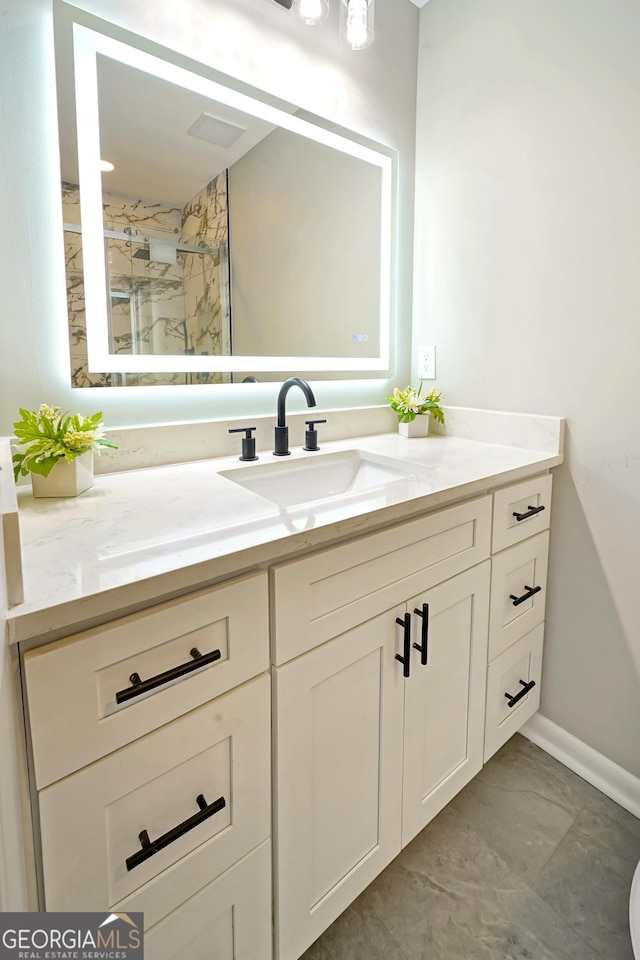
{"points": [[356, 18], [313, 11], [106, 166], [356, 23]]}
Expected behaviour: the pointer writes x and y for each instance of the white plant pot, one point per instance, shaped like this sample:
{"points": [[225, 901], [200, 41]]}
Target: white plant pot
{"points": [[66, 479], [417, 428]]}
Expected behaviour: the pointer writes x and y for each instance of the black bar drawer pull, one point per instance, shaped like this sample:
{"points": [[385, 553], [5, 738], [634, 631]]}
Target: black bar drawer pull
{"points": [[531, 592], [151, 847], [423, 647], [139, 686], [531, 512], [405, 658], [525, 690]]}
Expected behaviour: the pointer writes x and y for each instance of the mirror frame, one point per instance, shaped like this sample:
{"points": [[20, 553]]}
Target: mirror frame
{"points": [[87, 45]]}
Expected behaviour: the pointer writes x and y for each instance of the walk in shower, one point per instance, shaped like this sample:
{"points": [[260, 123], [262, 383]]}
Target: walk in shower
{"points": [[168, 283]]}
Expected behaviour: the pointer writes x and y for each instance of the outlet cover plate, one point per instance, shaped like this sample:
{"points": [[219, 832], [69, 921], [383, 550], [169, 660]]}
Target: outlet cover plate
{"points": [[427, 362]]}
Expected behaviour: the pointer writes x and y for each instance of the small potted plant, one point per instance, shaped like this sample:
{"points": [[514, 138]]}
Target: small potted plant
{"points": [[414, 410], [57, 450]]}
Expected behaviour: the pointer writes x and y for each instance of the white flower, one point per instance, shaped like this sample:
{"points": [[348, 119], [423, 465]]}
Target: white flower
{"points": [[409, 401], [49, 412], [412, 401]]}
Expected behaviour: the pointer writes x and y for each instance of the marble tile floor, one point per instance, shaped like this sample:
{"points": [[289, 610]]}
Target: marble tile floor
{"points": [[528, 862]]}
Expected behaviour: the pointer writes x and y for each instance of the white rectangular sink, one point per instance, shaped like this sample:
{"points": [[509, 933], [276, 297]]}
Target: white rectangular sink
{"points": [[319, 477]]}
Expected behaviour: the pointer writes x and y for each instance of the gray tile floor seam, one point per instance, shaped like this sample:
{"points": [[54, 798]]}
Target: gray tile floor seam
{"points": [[528, 862], [522, 810], [510, 937], [401, 955], [529, 875], [592, 796], [358, 934], [595, 903]]}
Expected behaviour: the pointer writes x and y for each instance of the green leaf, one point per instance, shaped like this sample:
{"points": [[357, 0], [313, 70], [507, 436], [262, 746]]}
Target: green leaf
{"points": [[43, 467], [428, 404], [42, 437], [17, 465]]}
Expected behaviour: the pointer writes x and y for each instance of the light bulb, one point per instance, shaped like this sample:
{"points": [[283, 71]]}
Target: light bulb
{"points": [[356, 23], [313, 11]]}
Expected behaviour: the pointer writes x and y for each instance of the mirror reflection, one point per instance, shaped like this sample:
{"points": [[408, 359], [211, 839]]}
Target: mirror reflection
{"points": [[224, 235]]}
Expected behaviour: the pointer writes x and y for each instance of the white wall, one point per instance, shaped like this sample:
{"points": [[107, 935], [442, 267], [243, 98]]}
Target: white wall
{"points": [[527, 277], [257, 41], [330, 256]]}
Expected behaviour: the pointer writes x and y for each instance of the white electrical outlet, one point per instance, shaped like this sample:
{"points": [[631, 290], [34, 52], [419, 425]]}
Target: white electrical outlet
{"points": [[427, 363]]}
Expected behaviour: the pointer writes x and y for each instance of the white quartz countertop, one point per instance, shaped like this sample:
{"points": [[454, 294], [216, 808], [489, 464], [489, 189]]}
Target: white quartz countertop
{"points": [[150, 533]]}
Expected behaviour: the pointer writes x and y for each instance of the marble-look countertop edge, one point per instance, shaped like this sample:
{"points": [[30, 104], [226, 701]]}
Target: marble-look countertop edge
{"points": [[10, 547], [46, 622]]}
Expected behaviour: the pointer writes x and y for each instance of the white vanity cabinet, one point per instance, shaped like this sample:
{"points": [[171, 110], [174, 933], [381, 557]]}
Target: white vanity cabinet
{"points": [[151, 749], [401, 660], [379, 727], [517, 608], [387, 695]]}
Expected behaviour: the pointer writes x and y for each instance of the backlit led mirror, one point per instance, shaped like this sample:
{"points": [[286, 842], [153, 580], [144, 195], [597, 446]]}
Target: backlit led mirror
{"points": [[213, 234]]}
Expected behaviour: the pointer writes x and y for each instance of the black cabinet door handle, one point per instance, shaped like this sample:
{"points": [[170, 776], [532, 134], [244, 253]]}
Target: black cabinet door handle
{"points": [[531, 592], [139, 686], [423, 647], [151, 847], [525, 690], [531, 512], [405, 657]]}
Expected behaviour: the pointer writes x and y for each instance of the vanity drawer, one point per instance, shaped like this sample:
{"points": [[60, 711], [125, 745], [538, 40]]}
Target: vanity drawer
{"points": [[321, 596], [521, 511], [91, 821], [518, 592], [517, 673], [72, 684], [229, 920]]}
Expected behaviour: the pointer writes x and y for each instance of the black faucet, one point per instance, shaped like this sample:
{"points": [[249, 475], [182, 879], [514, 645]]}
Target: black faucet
{"points": [[282, 430]]}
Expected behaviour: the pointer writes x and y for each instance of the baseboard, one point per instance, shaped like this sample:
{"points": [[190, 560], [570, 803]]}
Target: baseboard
{"points": [[612, 780]]}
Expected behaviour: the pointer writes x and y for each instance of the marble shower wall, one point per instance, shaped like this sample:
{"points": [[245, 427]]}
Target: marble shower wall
{"points": [[205, 221], [149, 299]]}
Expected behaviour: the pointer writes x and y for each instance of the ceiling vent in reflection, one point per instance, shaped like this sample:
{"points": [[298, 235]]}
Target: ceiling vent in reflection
{"points": [[220, 132]]}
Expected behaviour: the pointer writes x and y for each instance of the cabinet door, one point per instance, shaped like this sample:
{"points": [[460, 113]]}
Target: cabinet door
{"points": [[338, 728], [444, 698], [229, 919]]}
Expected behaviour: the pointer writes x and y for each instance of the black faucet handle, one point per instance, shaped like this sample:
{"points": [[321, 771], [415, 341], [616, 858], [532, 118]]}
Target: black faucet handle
{"points": [[311, 435], [248, 442]]}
